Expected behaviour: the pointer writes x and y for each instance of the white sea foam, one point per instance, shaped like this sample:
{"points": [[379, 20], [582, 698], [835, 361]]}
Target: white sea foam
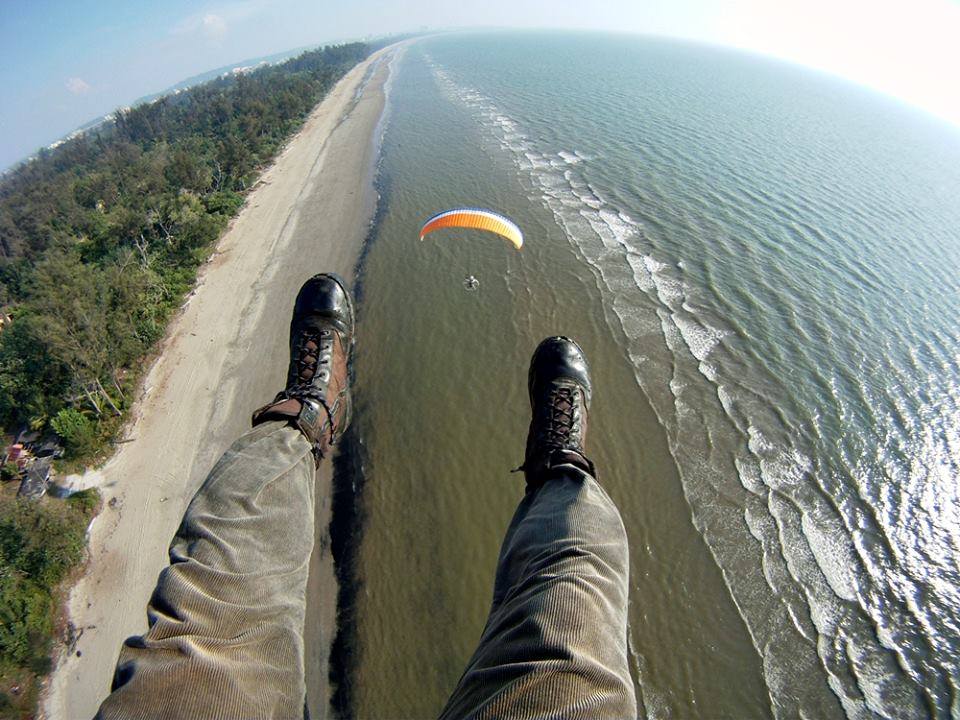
{"points": [[641, 275], [750, 476], [700, 338], [779, 468], [669, 289], [834, 556]]}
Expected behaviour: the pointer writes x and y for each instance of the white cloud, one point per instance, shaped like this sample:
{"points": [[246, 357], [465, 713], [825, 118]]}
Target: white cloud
{"points": [[209, 25], [215, 21], [78, 86], [213, 26]]}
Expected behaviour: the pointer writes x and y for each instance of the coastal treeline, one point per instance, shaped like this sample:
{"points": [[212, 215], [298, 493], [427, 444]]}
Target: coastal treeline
{"points": [[100, 240], [101, 237]]}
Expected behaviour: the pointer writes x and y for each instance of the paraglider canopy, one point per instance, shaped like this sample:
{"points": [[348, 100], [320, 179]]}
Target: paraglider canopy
{"points": [[475, 218]]}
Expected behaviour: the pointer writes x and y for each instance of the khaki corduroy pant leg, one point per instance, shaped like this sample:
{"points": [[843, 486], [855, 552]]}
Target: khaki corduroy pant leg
{"points": [[555, 643], [225, 636], [226, 618]]}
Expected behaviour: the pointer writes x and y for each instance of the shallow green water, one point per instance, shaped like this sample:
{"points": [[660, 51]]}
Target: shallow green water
{"points": [[761, 264]]}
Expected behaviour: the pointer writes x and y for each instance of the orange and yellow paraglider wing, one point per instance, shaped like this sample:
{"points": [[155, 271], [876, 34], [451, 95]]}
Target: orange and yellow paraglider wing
{"points": [[475, 219]]}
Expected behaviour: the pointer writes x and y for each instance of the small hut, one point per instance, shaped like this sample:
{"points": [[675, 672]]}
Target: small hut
{"points": [[37, 480]]}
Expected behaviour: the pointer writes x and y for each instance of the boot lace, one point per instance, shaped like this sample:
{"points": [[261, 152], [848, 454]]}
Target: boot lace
{"points": [[314, 355], [560, 418]]}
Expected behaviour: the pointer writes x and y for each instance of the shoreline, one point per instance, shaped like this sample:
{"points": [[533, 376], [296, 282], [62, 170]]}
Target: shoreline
{"points": [[223, 355]]}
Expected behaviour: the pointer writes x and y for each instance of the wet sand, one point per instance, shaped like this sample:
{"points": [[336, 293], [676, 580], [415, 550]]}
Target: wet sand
{"points": [[224, 356]]}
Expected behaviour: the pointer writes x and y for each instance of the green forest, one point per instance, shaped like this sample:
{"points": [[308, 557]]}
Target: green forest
{"points": [[101, 237], [100, 240]]}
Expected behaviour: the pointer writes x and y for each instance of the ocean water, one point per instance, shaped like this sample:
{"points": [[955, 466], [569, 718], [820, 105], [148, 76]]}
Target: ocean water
{"points": [[761, 263]]}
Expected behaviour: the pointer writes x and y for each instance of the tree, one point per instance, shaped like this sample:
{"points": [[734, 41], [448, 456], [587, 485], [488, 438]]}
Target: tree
{"points": [[68, 298], [31, 380], [187, 169], [76, 429]]}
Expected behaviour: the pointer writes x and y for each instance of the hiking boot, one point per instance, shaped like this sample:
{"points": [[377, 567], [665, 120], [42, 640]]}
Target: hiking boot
{"points": [[559, 385], [317, 397]]}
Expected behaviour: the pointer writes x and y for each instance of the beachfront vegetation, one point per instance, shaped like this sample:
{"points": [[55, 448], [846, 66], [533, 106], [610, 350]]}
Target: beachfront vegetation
{"points": [[41, 543], [100, 240], [101, 237]]}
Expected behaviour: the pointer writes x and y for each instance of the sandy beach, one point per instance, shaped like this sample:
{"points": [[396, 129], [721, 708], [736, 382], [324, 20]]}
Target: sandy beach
{"points": [[225, 355]]}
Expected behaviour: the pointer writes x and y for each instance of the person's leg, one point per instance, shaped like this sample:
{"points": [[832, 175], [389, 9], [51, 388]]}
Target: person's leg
{"points": [[226, 618], [555, 643]]}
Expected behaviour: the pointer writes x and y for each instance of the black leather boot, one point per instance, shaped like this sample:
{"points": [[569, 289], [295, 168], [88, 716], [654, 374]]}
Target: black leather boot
{"points": [[317, 396], [559, 385]]}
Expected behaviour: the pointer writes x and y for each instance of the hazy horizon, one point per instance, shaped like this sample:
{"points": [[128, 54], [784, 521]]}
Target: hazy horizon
{"points": [[66, 64]]}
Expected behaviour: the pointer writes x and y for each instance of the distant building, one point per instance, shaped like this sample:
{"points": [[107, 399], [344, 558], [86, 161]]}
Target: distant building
{"points": [[28, 438], [47, 449], [37, 480], [14, 453], [33, 459]]}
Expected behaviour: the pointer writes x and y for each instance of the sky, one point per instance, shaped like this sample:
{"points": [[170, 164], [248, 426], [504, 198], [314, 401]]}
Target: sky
{"points": [[65, 62]]}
